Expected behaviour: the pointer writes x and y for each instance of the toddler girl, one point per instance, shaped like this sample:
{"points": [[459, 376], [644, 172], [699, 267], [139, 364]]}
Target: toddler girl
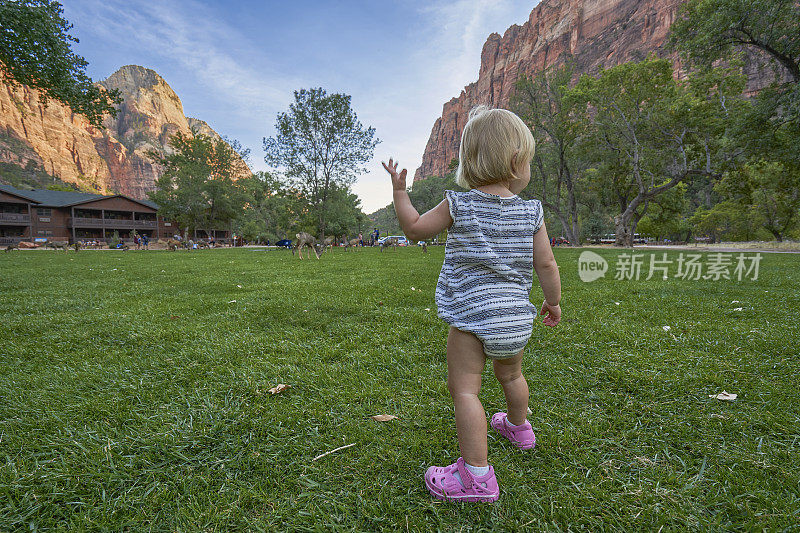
{"points": [[495, 240]]}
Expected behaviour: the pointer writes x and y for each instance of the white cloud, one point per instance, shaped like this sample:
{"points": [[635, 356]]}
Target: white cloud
{"points": [[186, 34]]}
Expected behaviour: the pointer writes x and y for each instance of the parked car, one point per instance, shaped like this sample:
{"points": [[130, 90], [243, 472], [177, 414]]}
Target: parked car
{"points": [[401, 240], [284, 243]]}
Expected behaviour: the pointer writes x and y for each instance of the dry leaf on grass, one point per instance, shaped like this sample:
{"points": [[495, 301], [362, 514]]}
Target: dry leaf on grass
{"points": [[724, 395], [383, 418], [279, 388]]}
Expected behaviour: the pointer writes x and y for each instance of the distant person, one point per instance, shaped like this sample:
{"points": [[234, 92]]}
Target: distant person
{"points": [[146, 242], [486, 303], [360, 239]]}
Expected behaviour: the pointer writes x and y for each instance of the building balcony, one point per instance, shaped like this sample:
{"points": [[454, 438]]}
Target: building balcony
{"points": [[82, 222], [112, 223], [14, 218]]}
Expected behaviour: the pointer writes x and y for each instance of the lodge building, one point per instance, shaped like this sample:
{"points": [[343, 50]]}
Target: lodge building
{"points": [[26, 215]]}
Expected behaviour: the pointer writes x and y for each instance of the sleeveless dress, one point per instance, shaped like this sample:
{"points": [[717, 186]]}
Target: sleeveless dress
{"points": [[485, 283]]}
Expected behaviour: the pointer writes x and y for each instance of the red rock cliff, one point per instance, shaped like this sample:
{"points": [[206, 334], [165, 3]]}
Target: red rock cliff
{"points": [[114, 159], [595, 33]]}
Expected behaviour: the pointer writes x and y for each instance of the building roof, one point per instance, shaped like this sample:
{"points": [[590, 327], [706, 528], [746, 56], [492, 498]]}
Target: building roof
{"points": [[46, 197], [19, 193]]}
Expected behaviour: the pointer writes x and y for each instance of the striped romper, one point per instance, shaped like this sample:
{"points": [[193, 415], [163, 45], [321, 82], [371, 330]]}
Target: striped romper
{"points": [[485, 283]]}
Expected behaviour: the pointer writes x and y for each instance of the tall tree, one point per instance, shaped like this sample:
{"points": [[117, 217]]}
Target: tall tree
{"points": [[321, 146], [542, 102], [651, 132], [35, 50], [197, 188]]}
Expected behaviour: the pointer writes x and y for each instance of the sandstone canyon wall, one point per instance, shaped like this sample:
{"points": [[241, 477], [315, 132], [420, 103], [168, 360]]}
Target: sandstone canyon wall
{"points": [[593, 33], [109, 160]]}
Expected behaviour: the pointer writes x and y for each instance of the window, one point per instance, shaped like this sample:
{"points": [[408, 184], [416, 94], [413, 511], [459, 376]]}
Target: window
{"points": [[44, 212]]}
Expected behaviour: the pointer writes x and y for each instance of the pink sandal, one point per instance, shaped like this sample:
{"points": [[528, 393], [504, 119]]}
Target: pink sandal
{"points": [[520, 436], [444, 485]]}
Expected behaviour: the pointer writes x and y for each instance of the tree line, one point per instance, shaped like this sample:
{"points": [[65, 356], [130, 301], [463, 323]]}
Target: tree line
{"points": [[639, 148]]}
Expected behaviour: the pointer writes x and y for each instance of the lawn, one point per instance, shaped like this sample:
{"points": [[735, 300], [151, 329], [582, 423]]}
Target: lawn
{"points": [[134, 396]]}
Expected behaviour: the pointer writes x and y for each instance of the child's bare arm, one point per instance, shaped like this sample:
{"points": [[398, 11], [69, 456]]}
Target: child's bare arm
{"points": [[547, 271], [415, 226]]}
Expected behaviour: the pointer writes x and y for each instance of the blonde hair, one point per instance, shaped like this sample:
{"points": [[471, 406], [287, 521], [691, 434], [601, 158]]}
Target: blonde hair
{"points": [[493, 143]]}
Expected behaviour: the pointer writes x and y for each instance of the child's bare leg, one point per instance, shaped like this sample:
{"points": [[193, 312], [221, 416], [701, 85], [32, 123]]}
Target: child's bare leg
{"points": [[515, 388], [465, 363]]}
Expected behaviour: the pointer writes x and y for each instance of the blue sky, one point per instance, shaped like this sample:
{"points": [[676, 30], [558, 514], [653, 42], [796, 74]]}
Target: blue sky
{"points": [[236, 64]]}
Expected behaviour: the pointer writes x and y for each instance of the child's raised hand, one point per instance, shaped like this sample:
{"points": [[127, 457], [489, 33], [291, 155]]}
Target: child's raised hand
{"points": [[398, 180], [551, 314]]}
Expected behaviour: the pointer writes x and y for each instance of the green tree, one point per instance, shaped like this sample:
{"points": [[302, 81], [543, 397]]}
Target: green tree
{"points": [[708, 31], [344, 212], [650, 132], [543, 103], [769, 190], [35, 50], [197, 188], [667, 216], [727, 220], [426, 194], [321, 146], [271, 211]]}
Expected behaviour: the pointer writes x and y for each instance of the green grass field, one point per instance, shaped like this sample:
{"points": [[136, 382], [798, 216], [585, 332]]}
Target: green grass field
{"points": [[133, 396]]}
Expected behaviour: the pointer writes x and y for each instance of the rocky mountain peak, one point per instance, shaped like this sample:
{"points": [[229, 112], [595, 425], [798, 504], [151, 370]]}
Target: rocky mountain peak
{"points": [[114, 159], [130, 78]]}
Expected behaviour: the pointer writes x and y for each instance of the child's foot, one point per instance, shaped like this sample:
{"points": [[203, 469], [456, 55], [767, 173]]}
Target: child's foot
{"points": [[444, 484], [520, 436]]}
